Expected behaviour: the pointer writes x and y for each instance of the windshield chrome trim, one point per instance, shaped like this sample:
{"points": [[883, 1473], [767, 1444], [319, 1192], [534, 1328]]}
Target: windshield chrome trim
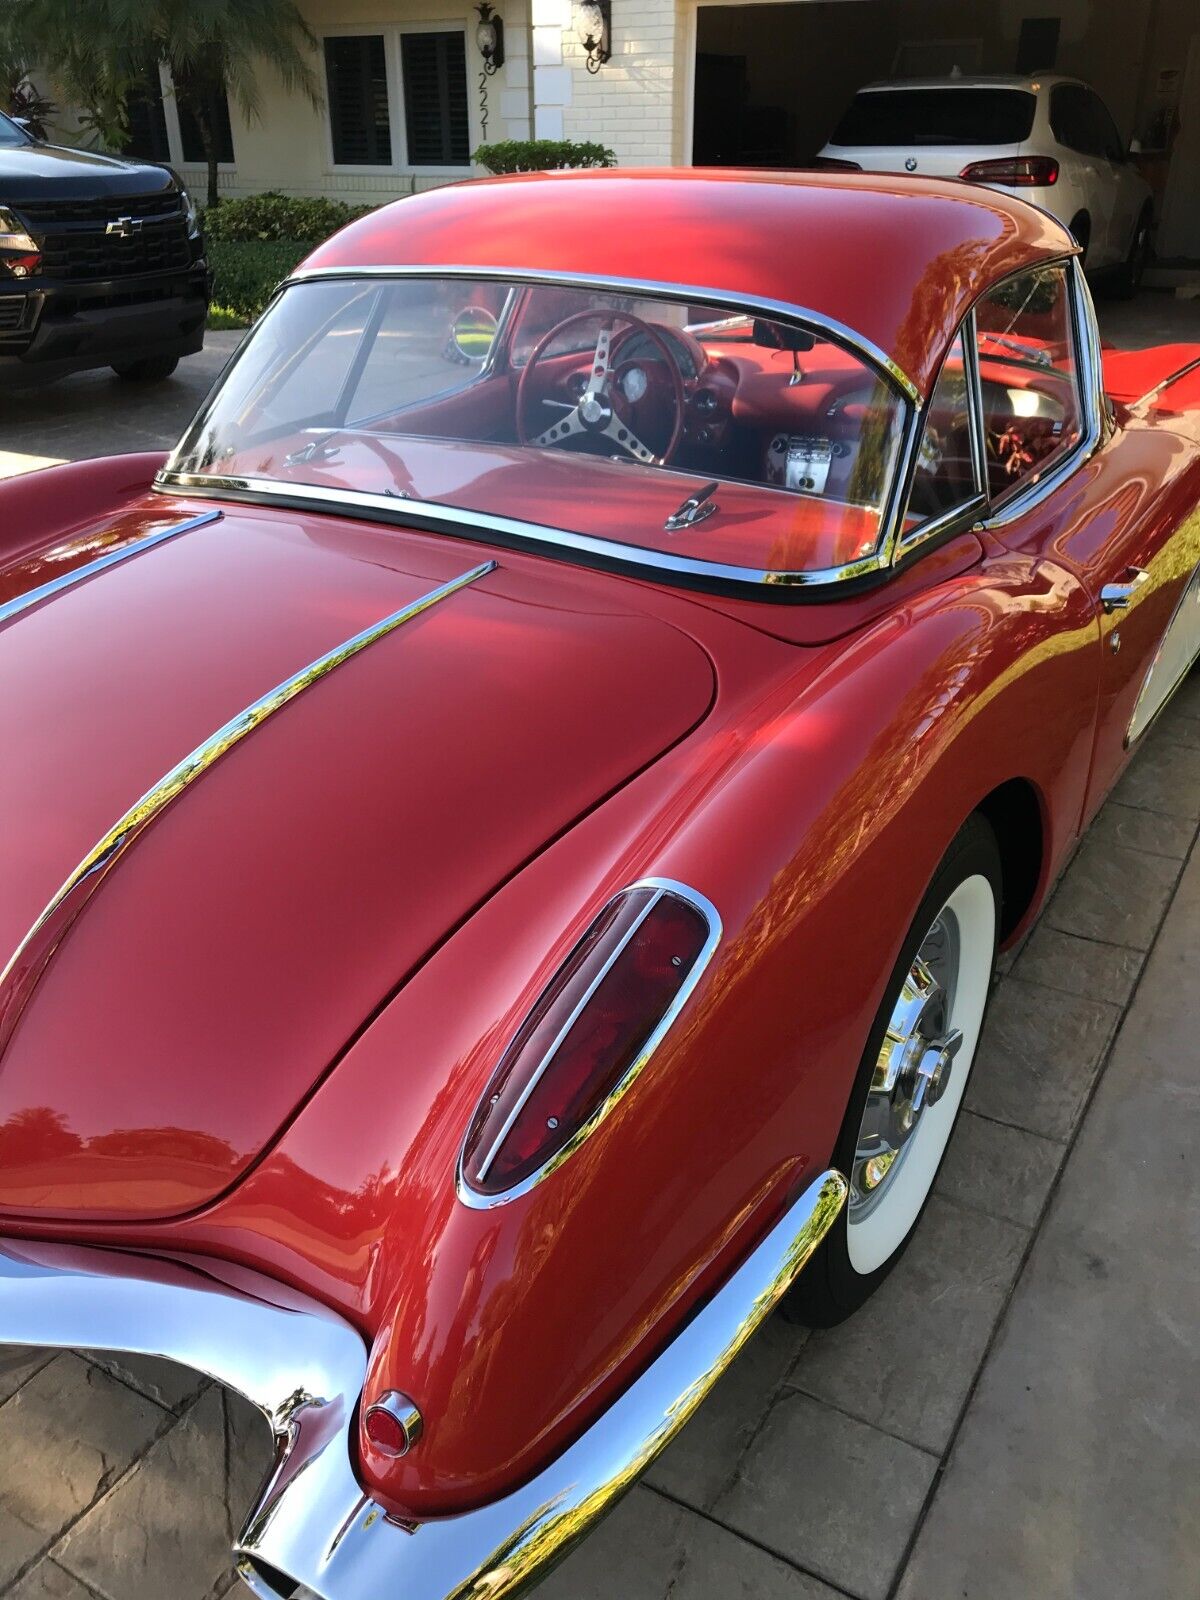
{"points": [[533, 537], [91, 569], [684, 293], [33, 955]]}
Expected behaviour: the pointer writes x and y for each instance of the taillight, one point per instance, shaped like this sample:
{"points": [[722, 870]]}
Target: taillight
{"points": [[592, 1029], [1015, 172]]}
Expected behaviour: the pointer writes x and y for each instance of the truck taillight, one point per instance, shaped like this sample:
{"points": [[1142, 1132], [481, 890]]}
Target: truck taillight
{"points": [[592, 1027], [1014, 172]]}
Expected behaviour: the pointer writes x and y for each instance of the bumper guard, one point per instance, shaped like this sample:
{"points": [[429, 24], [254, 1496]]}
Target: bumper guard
{"points": [[313, 1534]]}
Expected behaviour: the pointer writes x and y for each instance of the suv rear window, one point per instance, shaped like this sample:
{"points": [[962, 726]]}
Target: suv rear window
{"points": [[937, 116]]}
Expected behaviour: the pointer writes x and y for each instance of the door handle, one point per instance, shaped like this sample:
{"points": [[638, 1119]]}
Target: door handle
{"points": [[1118, 596]]}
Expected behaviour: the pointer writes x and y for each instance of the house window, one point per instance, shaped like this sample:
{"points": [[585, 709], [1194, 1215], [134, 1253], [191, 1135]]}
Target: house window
{"points": [[147, 119], [191, 143], [435, 99], [356, 73]]}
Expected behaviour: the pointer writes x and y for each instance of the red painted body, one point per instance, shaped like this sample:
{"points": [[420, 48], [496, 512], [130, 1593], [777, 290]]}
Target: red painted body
{"points": [[265, 1037]]}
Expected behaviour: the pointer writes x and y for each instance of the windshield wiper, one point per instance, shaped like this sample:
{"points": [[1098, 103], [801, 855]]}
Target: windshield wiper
{"points": [[694, 509]]}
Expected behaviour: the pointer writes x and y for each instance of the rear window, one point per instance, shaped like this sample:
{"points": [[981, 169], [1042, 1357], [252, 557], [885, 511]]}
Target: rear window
{"points": [[937, 116]]}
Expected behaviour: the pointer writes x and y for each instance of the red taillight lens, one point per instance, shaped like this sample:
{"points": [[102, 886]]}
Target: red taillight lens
{"points": [[1015, 172], [586, 1033]]}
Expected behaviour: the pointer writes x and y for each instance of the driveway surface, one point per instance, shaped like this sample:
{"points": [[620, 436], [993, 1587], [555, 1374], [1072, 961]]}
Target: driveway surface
{"points": [[1012, 1416]]}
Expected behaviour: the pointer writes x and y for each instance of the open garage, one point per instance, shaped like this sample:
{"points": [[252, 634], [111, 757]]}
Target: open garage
{"points": [[771, 82]]}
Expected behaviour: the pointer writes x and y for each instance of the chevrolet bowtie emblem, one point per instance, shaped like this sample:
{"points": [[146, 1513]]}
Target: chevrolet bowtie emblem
{"points": [[124, 227]]}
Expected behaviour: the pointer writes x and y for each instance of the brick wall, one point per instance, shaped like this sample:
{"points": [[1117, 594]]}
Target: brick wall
{"points": [[634, 102]]}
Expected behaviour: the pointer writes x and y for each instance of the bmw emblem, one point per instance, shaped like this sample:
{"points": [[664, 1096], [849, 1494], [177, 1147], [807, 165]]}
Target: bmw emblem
{"points": [[911, 164]]}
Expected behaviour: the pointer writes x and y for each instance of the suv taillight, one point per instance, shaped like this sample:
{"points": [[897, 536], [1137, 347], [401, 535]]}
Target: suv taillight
{"points": [[593, 1025], [1015, 172]]}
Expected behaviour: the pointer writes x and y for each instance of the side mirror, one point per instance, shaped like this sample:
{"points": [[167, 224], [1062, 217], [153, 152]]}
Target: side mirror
{"points": [[472, 333]]}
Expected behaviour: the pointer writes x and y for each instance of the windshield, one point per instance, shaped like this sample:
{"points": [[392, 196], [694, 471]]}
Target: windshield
{"points": [[10, 133], [591, 412], [937, 116]]}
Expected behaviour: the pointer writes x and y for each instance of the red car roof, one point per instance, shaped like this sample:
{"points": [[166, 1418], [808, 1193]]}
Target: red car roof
{"points": [[896, 260]]}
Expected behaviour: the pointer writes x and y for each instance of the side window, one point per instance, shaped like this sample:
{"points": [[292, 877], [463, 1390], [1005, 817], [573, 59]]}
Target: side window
{"points": [[1028, 376], [944, 476], [1108, 140], [1069, 120]]}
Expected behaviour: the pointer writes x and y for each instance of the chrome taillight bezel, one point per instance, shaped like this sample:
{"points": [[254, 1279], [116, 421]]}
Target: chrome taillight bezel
{"points": [[475, 1198]]}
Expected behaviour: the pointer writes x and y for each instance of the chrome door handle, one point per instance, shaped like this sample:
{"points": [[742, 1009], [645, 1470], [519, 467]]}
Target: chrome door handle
{"points": [[1117, 596]]}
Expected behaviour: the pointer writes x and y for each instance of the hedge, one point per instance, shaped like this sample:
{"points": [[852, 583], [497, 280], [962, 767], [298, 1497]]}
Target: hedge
{"points": [[271, 216], [245, 272], [542, 155]]}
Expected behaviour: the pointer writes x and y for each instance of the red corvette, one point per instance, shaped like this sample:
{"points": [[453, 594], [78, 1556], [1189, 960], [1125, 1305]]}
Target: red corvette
{"points": [[504, 835]]}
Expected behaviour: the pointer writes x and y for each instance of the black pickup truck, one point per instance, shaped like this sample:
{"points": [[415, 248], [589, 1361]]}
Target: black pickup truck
{"points": [[101, 264]]}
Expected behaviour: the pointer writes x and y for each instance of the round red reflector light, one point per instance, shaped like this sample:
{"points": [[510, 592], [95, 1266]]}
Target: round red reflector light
{"points": [[392, 1424]]}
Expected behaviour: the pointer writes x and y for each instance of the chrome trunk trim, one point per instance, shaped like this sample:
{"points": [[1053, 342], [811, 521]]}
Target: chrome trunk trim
{"points": [[34, 953], [91, 569], [313, 1532]]}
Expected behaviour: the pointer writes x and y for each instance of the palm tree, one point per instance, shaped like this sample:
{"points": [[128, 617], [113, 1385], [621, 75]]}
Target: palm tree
{"points": [[99, 50]]}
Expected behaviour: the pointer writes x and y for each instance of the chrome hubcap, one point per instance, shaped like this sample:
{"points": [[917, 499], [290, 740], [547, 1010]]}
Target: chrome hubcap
{"points": [[916, 1061]]}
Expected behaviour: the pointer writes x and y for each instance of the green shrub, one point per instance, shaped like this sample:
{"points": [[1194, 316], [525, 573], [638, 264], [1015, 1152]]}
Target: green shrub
{"points": [[221, 317], [246, 272], [268, 217], [542, 155]]}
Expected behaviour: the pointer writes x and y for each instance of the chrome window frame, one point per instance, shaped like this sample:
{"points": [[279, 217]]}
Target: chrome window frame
{"points": [[1035, 487], [967, 512], [638, 560]]}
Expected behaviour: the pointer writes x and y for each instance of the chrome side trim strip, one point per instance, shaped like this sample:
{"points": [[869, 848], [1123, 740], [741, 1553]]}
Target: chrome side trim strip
{"points": [[685, 293], [487, 1202], [33, 954], [533, 537], [304, 1368], [47, 591]]}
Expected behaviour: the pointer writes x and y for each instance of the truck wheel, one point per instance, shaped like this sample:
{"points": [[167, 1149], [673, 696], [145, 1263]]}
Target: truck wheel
{"points": [[152, 369], [910, 1083]]}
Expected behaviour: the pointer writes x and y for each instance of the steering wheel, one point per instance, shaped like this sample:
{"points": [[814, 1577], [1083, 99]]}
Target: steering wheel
{"points": [[596, 415]]}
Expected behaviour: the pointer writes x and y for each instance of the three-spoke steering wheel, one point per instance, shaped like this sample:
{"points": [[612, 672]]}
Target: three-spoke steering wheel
{"points": [[596, 414]]}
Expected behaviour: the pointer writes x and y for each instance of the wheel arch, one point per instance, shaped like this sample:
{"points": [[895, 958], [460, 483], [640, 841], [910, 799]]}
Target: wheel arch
{"points": [[1015, 811]]}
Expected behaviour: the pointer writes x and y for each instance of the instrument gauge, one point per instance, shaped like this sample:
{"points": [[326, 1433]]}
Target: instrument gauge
{"points": [[633, 384]]}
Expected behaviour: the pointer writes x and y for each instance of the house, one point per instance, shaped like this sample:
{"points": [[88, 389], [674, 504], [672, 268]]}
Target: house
{"points": [[408, 94]]}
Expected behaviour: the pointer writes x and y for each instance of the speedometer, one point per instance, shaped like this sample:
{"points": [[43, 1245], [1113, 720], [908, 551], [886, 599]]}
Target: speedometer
{"points": [[633, 384]]}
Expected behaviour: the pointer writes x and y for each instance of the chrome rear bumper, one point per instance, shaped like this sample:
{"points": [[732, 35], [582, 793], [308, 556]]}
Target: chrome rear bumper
{"points": [[313, 1532]]}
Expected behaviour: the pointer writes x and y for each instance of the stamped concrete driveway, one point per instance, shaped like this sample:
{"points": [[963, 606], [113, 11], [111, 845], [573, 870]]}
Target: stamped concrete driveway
{"points": [[1012, 1416]]}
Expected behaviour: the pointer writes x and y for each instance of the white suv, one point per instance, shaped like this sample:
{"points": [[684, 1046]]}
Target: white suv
{"points": [[1049, 138]]}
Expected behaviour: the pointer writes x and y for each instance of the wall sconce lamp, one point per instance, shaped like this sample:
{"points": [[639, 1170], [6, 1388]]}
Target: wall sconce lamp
{"points": [[489, 36], [593, 24]]}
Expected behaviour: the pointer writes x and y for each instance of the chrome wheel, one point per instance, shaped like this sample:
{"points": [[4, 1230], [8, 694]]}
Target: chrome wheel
{"points": [[920, 1074], [914, 1067]]}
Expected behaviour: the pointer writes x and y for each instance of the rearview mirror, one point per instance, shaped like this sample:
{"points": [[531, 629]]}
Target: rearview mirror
{"points": [[472, 333], [780, 336]]}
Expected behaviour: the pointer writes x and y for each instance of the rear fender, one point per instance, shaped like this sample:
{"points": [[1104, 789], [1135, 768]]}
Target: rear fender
{"points": [[814, 825]]}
